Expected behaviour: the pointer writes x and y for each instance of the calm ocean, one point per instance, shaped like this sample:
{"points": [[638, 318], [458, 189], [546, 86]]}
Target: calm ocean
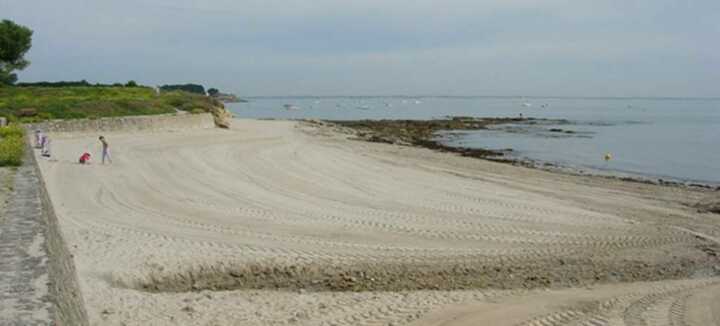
{"points": [[664, 138]]}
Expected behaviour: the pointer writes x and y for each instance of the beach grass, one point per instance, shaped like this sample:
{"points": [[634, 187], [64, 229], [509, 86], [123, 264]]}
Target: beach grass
{"points": [[12, 146], [34, 104]]}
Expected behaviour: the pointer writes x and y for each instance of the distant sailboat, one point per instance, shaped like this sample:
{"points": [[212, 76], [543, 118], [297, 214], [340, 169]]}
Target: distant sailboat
{"points": [[525, 103]]}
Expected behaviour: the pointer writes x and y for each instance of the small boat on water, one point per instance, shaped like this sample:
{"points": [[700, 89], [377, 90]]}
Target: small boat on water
{"points": [[291, 107]]}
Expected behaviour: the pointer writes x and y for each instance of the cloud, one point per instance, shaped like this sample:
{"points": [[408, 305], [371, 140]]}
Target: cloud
{"points": [[649, 47]]}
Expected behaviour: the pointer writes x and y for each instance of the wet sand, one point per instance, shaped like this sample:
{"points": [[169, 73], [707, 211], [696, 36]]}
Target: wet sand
{"points": [[279, 222]]}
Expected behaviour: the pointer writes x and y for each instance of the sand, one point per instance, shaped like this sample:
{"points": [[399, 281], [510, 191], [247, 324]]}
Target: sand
{"points": [[198, 227]]}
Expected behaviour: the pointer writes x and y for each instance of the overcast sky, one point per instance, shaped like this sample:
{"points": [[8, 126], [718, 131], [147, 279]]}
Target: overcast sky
{"points": [[327, 47]]}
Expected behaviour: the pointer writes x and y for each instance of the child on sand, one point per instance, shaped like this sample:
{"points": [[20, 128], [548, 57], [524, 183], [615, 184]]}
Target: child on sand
{"points": [[45, 150], [105, 150], [38, 138], [85, 158]]}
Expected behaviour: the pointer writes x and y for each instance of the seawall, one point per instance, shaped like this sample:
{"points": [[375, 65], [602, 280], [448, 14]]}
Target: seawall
{"points": [[64, 288], [38, 281], [165, 122]]}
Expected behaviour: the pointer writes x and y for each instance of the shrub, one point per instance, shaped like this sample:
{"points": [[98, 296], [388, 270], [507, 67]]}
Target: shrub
{"points": [[12, 145], [12, 131], [87, 102]]}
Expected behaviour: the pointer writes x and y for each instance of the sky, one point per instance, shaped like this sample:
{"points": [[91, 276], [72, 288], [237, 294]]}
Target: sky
{"points": [[646, 48]]}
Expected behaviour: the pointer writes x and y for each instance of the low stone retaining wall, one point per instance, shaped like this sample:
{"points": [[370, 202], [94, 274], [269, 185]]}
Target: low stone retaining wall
{"points": [[65, 295], [38, 281], [165, 122]]}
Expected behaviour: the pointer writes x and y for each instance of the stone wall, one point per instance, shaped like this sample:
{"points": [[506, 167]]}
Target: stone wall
{"points": [[38, 281], [165, 122], [65, 295]]}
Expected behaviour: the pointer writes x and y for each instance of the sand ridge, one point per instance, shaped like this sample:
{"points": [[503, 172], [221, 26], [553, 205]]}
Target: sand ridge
{"points": [[182, 208]]}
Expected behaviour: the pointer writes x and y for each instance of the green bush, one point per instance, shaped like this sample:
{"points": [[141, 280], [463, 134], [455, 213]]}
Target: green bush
{"points": [[12, 145], [12, 131]]}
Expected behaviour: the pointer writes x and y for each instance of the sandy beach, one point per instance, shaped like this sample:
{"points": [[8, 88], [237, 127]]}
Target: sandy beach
{"points": [[293, 223]]}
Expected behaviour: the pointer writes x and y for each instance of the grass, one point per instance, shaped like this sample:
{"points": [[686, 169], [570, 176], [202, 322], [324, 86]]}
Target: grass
{"points": [[94, 102], [12, 145]]}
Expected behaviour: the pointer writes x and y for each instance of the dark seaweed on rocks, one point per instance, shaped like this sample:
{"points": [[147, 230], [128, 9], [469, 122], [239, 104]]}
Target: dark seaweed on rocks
{"points": [[422, 133]]}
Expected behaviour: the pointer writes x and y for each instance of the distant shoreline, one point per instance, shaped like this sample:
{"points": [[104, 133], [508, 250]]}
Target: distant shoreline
{"points": [[423, 133], [668, 98]]}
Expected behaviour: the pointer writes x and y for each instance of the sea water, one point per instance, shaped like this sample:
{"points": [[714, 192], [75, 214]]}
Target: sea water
{"points": [[664, 138]]}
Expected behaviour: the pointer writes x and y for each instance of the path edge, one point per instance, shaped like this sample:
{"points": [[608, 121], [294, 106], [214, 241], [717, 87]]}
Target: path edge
{"points": [[64, 288]]}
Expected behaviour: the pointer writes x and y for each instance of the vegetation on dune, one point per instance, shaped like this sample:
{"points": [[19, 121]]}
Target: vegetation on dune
{"points": [[33, 104], [80, 83], [12, 145]]}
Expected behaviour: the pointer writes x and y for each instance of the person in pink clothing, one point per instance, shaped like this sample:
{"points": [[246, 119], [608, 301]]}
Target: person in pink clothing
{"points": [[85, 158]]}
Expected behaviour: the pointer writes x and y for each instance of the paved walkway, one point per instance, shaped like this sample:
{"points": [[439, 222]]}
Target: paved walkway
{"points": [[24, 270]]}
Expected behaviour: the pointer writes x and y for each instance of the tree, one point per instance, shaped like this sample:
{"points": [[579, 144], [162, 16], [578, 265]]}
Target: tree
{"points": [[131, 83], [15, 41], [213, 91], [192, 88]]}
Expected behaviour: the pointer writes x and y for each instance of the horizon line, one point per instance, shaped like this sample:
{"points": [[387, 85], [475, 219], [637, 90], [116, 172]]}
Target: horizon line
{"points": [[491, 96]]}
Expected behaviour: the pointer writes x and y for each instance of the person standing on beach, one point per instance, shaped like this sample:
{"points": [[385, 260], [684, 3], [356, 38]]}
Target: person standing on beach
{"points": [[105, 150], [45, 151], [38, 138]]}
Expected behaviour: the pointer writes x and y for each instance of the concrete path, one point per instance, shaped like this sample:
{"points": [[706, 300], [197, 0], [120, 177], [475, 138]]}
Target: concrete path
{"points": [[24, 271], [38, 282]]}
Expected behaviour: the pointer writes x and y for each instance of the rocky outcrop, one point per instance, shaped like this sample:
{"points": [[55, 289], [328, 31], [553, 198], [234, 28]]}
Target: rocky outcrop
{"points": [[222, 116], [422, 132], [710, 204], [228, 98]]}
